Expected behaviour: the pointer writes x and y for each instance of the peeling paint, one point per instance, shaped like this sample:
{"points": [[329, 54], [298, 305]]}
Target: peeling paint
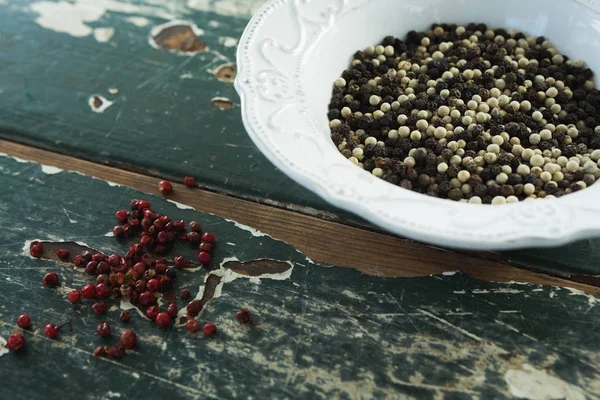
{"points": [[181, 206], [3, 349], [138, 21], [232, 8], [222, 103], [72, 18], [533, 384], [177, 36], [98, 103], [254, 232], [47, 169], [103, 35], [225, 73], [590, 298], [228, 41]]}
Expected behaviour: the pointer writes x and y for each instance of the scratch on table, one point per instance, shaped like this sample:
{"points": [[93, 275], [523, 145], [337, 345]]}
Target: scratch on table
{"points": [[457, 328]]}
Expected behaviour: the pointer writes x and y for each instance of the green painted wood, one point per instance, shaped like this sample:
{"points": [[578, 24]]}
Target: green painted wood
{"points": [[325, 332], [161, 120]]}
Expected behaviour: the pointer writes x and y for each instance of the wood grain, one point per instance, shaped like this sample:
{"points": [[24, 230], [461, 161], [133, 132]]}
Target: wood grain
{"points": [[325, 242]]}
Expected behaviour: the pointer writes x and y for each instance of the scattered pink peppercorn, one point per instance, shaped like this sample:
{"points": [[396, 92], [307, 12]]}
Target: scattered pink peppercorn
{"points": [[180, 225], [88, 291], [51, 331], [194, 307], [15, 341], [195, 226], [162, 238], [115, 352], [128, 339], [90, 268], [74, 296], [152, 312], [184, 294], [209, 329], [125, 316], [146, 240], [142, 204], [122, 216], [163, 319], [205, 247], [119, 231], [172, 310], [165, 187], [209, 237], [160, 269], [204, 258], [100, 351], [99, 308], [63, 254], [139, 268], [243, 316], [193, 237], [192, 326], [102, 291], [98, 257], [153, 285], [103, 267], [189, 182], [50, 279], [24, 321], [180, 262], [103, 329], [79, 261], [147, 299], [36, 249], [115, 260]]}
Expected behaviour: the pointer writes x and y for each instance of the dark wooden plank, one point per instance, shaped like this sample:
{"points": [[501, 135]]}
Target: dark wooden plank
{"points": [[161, 121], [319, 333], [327, 242]]}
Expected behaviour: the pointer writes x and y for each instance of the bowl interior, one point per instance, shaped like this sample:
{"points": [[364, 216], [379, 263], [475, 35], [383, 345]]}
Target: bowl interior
{"points": [[572, 27]]}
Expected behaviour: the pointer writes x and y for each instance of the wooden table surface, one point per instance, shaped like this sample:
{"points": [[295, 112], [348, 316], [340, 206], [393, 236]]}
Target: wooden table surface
{"points": [[357, 312]]}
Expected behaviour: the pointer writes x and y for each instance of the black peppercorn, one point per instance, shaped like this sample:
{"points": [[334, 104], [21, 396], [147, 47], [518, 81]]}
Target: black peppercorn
{"points": [[455, 194]]}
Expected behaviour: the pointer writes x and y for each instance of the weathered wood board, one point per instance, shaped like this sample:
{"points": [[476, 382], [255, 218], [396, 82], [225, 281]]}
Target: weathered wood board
{"points": [[319, 333]]}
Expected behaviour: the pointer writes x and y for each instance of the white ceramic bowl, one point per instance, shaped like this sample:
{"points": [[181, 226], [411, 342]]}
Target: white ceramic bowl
{"points": [[293, 50]]}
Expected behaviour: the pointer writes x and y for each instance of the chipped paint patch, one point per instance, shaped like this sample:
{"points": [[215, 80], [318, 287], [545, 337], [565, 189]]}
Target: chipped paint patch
{"points": [[231, 8], [127, 305], [576, 292], [187, 75], [103, 35], [222, 103], [3, 349], [113, 90], [531, 383], [49, 170], [98, 103], [138, 21], [449, 273], [67, 17], [177, 36], [72, 18], [181, 206], [254, 232], [225, 73], [228, 41]]}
